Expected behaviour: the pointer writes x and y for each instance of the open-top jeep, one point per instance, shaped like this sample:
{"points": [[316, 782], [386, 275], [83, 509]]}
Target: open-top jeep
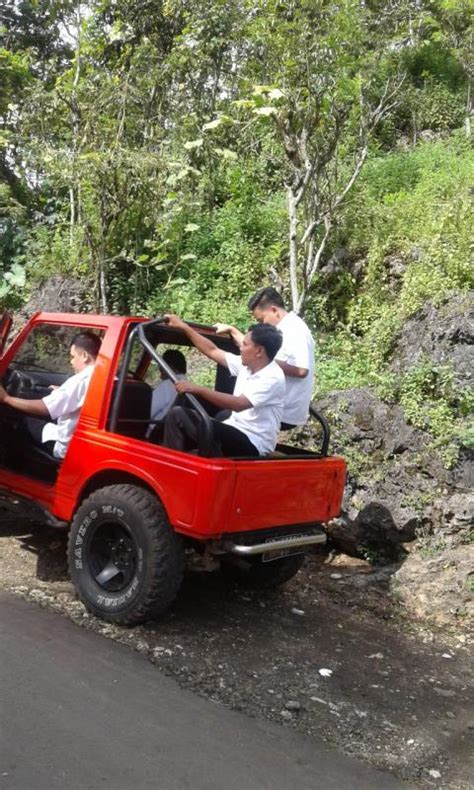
{"points": [[135, 507]]}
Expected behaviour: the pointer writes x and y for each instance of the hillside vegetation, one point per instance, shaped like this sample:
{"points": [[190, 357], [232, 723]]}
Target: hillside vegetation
{"points": [[160, 154]]}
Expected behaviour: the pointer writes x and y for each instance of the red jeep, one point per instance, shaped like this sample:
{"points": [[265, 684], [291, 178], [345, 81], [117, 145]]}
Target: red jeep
{"points": [[134, 507]]}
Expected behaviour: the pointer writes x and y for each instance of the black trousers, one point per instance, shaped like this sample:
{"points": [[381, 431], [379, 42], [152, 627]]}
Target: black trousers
{"points": [[182, 428], [34, 430]]}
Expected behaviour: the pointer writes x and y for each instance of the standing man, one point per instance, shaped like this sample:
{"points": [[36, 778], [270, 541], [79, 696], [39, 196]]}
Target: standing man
{"points": [[63, 404], [256, 404], [296, 356]]}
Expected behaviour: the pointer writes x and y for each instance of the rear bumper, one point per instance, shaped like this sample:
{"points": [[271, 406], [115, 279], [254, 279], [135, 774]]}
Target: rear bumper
{"points": [[277, 543]]}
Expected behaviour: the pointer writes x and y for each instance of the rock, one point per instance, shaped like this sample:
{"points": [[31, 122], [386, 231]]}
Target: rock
{"points": [[293, 705], [382, 502], [438, 589], [443, 334], [400, 499], [57, 294]]}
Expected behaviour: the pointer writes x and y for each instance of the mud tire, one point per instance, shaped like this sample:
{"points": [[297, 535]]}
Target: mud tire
{"points": [[125, 560]]}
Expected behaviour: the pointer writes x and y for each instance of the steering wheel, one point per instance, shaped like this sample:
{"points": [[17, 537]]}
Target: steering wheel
{"points": [[17, 382]]}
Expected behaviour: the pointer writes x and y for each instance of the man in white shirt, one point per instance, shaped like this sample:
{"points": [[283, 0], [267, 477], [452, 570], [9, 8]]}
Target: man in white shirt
{"points": [[64, 403], [256, 404], [296, 356]]}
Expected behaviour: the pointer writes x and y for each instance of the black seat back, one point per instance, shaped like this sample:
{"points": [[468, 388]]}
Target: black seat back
{"points": [[135, 408]]}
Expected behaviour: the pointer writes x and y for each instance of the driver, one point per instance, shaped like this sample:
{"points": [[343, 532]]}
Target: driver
{"points": [[64, 403]]}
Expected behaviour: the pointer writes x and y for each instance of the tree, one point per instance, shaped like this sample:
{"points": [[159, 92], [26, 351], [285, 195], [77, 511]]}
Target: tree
{"points": [[326, 86]]}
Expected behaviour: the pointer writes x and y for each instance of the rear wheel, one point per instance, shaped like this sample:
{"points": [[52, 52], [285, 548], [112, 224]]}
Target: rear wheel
{"points": [[125, 560], [253, 572]]}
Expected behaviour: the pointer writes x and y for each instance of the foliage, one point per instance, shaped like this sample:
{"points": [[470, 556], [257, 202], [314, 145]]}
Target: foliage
{"points": [[153, 150]]}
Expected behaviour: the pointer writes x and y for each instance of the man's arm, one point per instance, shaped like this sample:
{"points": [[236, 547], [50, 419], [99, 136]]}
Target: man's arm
{"points": [[220, 399], [226, 329], [34, 407], [203, 344], [292, 370]]}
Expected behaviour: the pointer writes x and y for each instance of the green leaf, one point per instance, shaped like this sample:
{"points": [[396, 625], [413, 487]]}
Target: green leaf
{"points": [[16, 277], [226, 153], [191, 144], [212, 124], [265, 111], [191, 227], [260, 90]]}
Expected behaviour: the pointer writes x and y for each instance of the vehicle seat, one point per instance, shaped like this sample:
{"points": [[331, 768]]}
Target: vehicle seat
{"points": [[135, 408]]}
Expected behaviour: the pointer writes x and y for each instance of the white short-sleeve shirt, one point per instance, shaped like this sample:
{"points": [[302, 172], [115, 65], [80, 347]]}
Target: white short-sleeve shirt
{"points": [[266, 392], [64, 405], [297, 349]]}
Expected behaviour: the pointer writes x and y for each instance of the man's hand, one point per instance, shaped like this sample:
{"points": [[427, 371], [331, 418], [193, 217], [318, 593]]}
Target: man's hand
{"points": [[203, 344], [220, 399], [227, 329], [186, 386], [175, 321], [223, 329]]}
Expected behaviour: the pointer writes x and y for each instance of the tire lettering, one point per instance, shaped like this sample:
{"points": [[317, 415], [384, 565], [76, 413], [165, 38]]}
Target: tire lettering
{"points": [[112, 510], [114, 603]]}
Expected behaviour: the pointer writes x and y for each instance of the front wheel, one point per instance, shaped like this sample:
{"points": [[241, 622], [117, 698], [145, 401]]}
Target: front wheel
{"points": [[125, 560], [253, 572]]}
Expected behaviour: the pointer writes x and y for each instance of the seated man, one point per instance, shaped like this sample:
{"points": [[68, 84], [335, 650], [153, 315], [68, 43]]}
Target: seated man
{"points": [[256, 404], [64, 403], [165, 394]]}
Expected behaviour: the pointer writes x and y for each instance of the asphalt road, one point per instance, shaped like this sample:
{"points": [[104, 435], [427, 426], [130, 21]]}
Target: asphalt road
{"points": [[79, 711]]}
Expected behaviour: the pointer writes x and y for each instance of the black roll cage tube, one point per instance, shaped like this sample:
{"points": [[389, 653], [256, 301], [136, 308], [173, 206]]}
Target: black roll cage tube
{"points": [[205, 438]]}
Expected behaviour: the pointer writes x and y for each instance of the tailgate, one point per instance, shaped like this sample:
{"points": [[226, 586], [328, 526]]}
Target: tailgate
{"points": [[279, 492]]}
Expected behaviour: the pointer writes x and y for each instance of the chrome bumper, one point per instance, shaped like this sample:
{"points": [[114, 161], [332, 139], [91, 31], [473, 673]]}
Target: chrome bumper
{"points": [[277, 544]]}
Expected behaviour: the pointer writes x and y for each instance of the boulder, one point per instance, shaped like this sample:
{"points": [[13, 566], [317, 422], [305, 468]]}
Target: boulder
{"points": [[438, 584], [388, 488], [442, 334], [56, 294]]}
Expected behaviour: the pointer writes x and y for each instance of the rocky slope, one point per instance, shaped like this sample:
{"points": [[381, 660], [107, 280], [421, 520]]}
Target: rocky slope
{"points": [[402, 502]]}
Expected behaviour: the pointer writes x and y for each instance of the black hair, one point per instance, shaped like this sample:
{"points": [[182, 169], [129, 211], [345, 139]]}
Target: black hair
{"points": [[266, 297], [88, 342], [267, 336], [175, 359]]}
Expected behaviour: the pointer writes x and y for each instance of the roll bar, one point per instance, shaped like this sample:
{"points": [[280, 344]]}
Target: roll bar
{"points": [[139, 332], [325, 426]]}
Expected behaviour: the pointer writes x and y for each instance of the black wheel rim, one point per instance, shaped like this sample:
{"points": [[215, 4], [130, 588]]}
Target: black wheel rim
{"points": [[112, 556]]}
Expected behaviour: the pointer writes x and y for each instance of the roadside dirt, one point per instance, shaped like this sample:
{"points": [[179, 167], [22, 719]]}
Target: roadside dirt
{"points": [[331, 654]]}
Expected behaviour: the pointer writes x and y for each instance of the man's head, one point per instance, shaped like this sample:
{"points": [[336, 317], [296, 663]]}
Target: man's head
{"points": [[260, 345], [84, 349], [176, 360], [267, 306]]}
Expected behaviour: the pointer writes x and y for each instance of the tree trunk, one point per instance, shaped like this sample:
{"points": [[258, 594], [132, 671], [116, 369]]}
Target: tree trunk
{"points": [[293, 245]]}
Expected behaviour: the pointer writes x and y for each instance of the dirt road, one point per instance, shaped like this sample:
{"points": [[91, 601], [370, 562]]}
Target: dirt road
{"points": [[330, 655]]}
